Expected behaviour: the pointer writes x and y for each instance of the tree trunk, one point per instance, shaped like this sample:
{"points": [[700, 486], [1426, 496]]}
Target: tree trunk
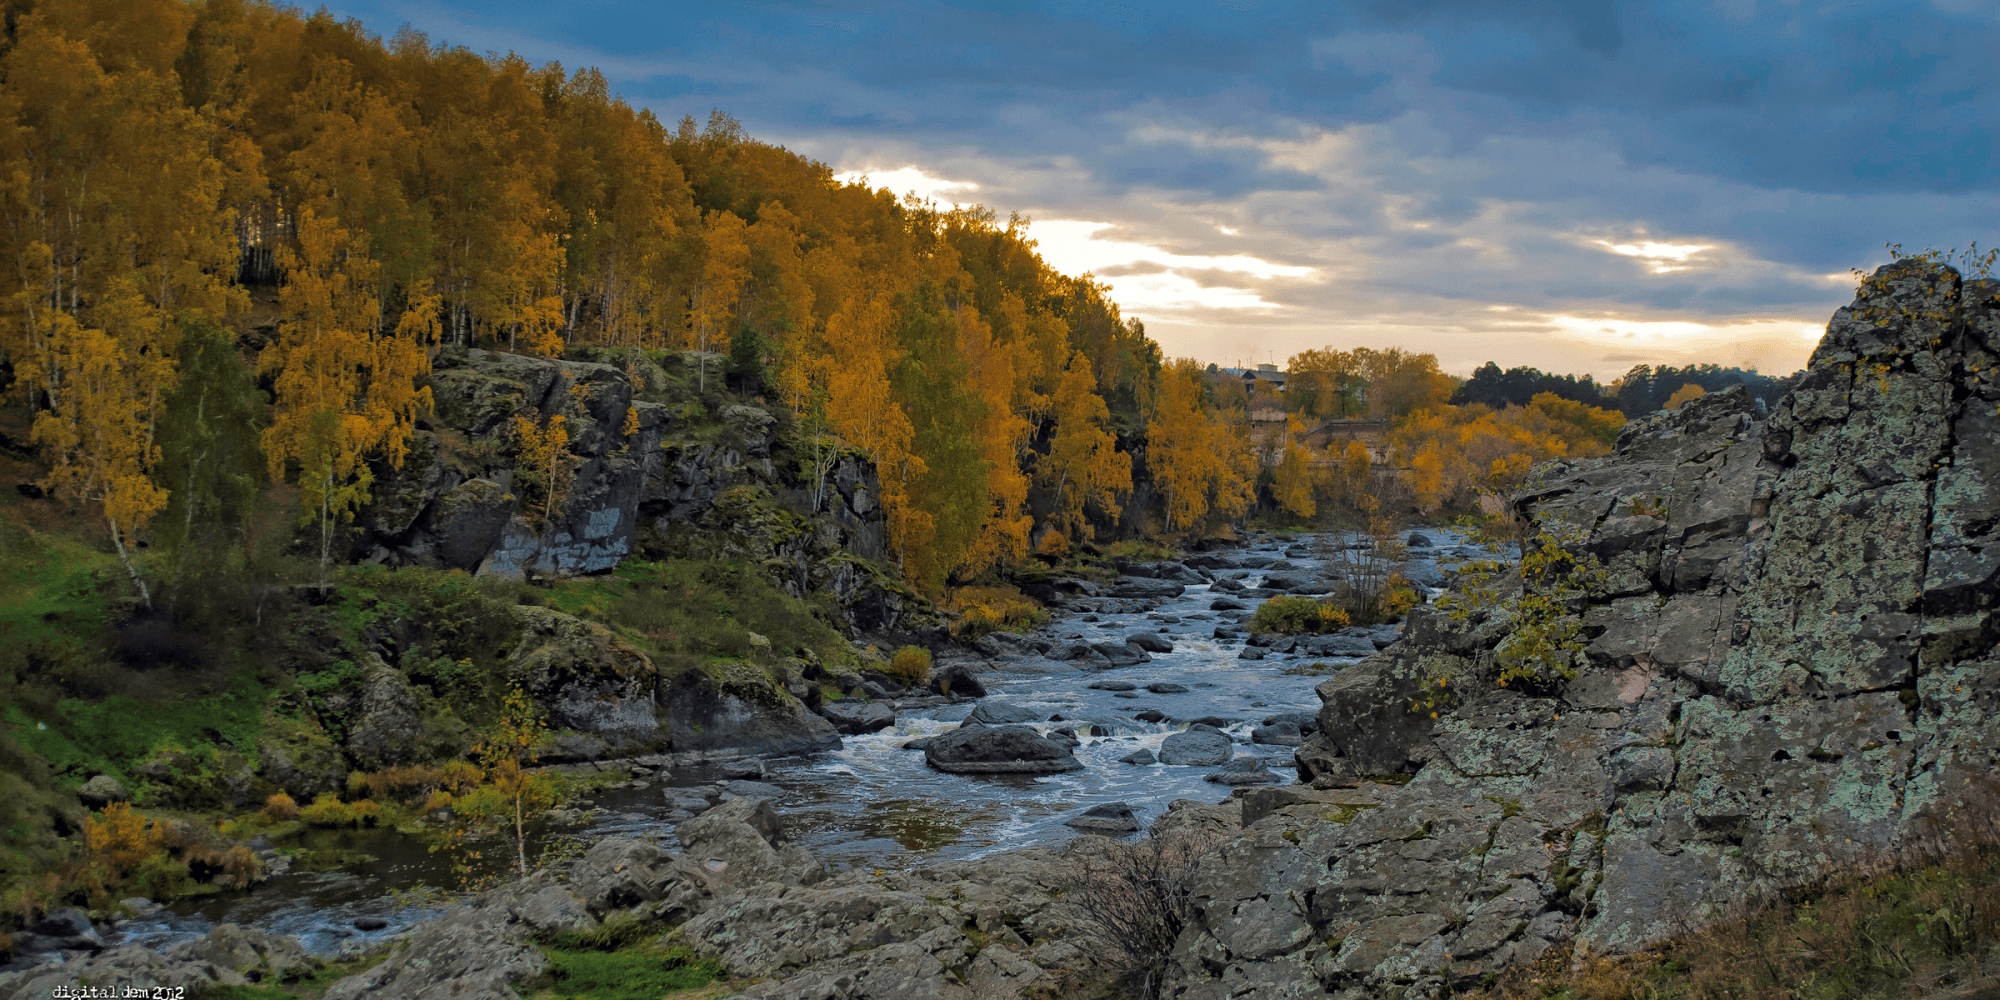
{"points": [[520, 837], [118, 541]]}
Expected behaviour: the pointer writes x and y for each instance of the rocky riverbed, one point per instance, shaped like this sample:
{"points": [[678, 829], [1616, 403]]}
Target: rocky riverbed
{"points": [[1784, 668], [1148, 687]]}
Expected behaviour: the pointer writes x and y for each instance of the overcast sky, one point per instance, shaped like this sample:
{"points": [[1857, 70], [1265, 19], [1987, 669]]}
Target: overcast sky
{"points": [[1580, 186]]}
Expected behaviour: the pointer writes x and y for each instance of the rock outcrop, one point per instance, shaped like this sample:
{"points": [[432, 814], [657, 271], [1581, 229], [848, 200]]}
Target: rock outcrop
{"points": [[657, 469], [1787, 666]]}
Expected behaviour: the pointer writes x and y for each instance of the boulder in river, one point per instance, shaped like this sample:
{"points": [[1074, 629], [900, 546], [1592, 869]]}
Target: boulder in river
{"points": [[1139, 757], [1150, 715], [1166, 687], [1355, 646], [1141, 586], [1110, 817], [1151, 642], [957, 679], [1283, 734], [854, 716], [999, 750], [744, 788], [1112, 685], [1001, 713], [1121, 654], [1196, 748], [1243, 771]]}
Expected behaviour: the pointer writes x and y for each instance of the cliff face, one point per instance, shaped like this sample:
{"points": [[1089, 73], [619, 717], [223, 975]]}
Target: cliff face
{"points": [[659, 470], [1790, 667]]}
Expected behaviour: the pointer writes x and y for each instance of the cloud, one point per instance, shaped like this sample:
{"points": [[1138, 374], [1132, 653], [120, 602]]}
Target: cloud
{"points": [[912, 181], [1565, 183]]}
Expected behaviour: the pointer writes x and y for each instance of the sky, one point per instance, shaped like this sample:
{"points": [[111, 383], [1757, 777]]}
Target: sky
{"points": [[1579, 186]]}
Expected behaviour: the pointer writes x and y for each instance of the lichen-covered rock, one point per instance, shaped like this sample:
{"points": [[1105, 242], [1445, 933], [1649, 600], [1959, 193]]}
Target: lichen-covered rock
{"points": [[588, 678], [229, 955], [658, 473], [741, 842], [1788, 668], [387, 728], [977, 749], [741, 710], [471, 953]]}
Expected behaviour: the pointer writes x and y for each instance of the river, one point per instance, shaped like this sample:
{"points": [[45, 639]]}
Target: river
{"points": [[873, 803]]}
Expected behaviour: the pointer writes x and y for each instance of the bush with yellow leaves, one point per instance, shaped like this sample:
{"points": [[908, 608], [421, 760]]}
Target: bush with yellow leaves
{"points": [[986, 610], [911, 666]]}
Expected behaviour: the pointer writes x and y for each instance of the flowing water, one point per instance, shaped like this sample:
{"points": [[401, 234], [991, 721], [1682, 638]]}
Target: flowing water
{"points": [[873, 803]]}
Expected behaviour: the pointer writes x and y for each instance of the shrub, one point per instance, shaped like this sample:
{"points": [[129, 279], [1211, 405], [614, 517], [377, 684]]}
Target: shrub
{"points": [[1054, 545], [328, 811], [1298, 616], [910, 666], [1546, 646], [1365, 581], [986, 610], [1134, 900], [403, 783], [279, 808]]}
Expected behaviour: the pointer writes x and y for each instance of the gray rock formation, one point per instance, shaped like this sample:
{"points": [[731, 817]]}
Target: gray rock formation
{"points": [[1786, 668], [1198, 747], [589, 680], [229, 955], [1109, 818], [975, 749], [654, 471], [853, 716]]}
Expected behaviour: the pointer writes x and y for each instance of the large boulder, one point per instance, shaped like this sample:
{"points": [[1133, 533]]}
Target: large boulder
{"points": [[227, 955], [623, 874], [1109, 817], [387, 730], [741, 842], [1001, 713], [587, 678], [854, 716], [471, 951], [738, 707], [1121, 654], [1146, 587], [957, 680], [1196, 747], [101, 791], [975, 749]]}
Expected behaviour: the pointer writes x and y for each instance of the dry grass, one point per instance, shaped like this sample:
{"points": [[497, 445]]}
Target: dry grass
{"points": [[1924, 923]]}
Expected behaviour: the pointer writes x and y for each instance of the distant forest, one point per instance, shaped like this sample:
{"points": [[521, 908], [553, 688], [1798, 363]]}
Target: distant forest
{"points": [[1644, 389]]}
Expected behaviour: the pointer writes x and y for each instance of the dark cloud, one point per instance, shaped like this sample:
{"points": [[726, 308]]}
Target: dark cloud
{"points": [[1437, 163]]}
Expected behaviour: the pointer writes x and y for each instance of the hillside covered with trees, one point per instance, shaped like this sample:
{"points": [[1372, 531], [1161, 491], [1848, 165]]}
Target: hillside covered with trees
{"points": [[338, 208]]}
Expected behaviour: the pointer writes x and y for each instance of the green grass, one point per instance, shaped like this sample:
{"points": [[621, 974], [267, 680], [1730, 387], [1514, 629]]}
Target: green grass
{"points": [[684, 609], [52, 590], [113, 734], [641, 973]]}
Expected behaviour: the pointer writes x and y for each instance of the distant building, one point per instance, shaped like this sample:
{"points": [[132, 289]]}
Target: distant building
{"points": [[1267, 374]]}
